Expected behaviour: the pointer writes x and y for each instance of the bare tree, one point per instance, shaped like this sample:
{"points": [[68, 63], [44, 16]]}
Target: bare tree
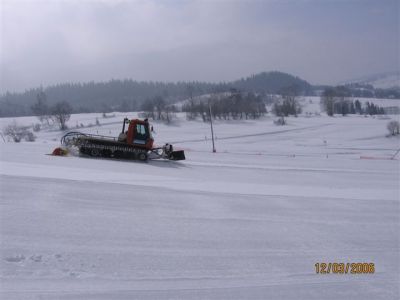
{"points": [[393, 127], [17, 133], [13, 131], [148, 109], [159, 104], [61, 112], [169, 112], [289, 104], [40, 108], [328, 100]]}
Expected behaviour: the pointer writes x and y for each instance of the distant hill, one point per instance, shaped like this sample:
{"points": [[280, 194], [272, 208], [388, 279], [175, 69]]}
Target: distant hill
{"points": [[127, 95], [273, 83], [386, 80], [384, 85]]}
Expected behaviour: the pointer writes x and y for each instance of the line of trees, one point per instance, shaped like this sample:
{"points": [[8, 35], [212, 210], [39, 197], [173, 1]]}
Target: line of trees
{"points": [[234, 105], [115, 95], [128, 95], [337, 100]]}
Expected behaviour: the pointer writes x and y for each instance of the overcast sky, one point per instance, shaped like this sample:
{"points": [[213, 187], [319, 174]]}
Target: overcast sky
{"points": [[323, 41]]}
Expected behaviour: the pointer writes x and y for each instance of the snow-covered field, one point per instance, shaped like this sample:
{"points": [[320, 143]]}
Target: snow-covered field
{"points": [[247, 222]]}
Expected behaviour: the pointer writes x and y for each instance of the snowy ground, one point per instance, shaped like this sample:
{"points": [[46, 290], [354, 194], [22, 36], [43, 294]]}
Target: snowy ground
{"points": [[247, 222]]}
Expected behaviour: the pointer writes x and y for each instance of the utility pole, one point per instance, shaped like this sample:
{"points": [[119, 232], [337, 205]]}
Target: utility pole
{"points": [[212, 130]]}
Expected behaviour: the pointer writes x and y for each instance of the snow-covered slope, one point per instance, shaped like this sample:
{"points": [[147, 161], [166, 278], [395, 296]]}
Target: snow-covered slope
{"points": [[247, 222], [379, 81]]}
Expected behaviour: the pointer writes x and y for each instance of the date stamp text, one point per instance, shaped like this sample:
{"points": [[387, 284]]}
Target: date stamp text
{"points": [[344, 268]]}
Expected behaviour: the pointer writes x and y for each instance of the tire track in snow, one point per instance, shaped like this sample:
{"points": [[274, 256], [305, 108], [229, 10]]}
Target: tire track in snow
{"points": [[255, 134], [303, 169]]}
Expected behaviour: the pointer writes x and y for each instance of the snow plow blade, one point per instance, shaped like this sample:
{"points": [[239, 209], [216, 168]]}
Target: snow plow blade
{"points": [[177, 155]]}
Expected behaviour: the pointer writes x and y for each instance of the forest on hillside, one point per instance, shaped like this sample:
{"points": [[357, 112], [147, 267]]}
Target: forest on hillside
{"points": [[129, 95]]}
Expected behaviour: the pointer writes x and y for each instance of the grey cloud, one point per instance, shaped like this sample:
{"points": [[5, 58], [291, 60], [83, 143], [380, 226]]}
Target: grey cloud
{"points": [[45, 42]]}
